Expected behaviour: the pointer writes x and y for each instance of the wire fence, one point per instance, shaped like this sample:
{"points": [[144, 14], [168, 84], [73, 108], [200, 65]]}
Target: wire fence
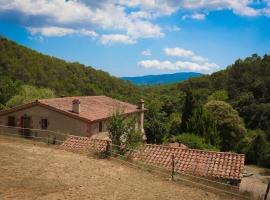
{"points": [[124, 155]]}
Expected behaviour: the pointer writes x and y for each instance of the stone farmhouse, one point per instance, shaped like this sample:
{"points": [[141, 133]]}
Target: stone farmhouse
{"points": [[82, 116]]}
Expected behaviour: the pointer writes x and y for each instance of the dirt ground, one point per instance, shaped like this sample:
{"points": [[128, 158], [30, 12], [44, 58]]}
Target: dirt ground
{"points": [[257, 183], [32, 170]]}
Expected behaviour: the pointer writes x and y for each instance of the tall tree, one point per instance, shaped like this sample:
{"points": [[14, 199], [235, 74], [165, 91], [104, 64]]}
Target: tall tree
{"points": [[204, 124], [189, 106], [229, 124]]}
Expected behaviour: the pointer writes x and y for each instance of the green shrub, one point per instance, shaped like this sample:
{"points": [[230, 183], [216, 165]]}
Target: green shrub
{"points": [[194, 142], [256, 148]]}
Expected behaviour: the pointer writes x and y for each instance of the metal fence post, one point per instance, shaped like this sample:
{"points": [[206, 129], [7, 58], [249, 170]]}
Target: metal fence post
{"points": [[267, 190], [172, 167]]}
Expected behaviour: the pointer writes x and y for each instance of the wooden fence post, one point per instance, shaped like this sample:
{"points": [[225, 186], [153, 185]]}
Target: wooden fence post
{"points": [[172, 167], [267, 190], [107, 148]]}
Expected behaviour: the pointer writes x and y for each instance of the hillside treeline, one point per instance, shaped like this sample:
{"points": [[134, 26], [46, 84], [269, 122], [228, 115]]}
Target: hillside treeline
{"points": [[228, 110], [22, 66]]}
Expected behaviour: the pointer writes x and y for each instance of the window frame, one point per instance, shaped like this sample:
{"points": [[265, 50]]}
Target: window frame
{"points": [[13, 124], [42, 124], [100, 127]]}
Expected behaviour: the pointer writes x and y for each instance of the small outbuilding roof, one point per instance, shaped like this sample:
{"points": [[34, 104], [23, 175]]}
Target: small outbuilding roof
{"points": [[92, 108], [224, 165]]}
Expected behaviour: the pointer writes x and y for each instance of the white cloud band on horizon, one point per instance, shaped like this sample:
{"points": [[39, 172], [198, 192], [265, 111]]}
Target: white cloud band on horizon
{"points": [[182, 66]]}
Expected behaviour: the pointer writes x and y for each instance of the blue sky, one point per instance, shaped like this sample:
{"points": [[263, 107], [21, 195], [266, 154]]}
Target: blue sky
{"points": [[136, 37]]}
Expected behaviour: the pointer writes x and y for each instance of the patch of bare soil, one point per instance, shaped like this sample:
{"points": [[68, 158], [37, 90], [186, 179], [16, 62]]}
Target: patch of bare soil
{"points": [[31, 170], [257, 183]]}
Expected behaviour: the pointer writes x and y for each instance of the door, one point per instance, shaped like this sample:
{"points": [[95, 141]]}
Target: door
{"points": [[26, 125]]}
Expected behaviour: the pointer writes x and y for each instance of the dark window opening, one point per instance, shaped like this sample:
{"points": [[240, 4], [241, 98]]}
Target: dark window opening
{"points": [[44, 123], [11, 121], [100, 126]]}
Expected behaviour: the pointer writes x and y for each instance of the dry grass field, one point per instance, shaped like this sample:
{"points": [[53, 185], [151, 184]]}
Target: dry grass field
{"points": [[32, 170]]}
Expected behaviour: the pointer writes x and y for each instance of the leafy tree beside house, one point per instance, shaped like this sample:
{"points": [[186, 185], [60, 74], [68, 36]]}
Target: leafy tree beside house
{"points": [[122, 131], [229, 125]]}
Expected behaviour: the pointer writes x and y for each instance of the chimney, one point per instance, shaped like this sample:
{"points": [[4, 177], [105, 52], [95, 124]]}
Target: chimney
{"points": [[76, 106], [141, 117], [141, 104]]}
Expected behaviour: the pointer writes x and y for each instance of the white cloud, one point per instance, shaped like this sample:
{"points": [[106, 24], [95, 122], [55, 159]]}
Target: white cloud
{"points": [[180, 52], [197, 16], [173, 28], [54, 31], [146, 52], [199, 59], [179, 66], [113, 16], [167, 7], [116, 38], [82, 14]]}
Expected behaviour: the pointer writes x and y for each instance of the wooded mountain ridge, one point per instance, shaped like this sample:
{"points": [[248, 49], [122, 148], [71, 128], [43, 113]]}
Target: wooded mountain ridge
{"points": [[161, 78]]}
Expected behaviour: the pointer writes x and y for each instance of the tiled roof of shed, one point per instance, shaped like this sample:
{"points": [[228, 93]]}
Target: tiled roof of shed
{"points": [[77, 143], [92, 108], [223, 165]]}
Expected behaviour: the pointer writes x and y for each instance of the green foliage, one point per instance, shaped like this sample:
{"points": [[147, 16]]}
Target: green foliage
{"points": [[229, 124], [189, 106], [256, 147], [155, 127], [202, 123], [134, 139], [19, 63], [219, 95], [8, 88], [116, 127], [29, 93], [123, 131], [193, 141], [2, 107]]}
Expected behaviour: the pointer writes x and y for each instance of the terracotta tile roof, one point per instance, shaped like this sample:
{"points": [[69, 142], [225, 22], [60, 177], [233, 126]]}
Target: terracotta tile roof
{"points": [[223, 165], [77, 143], [92, 108], [176, 144]]}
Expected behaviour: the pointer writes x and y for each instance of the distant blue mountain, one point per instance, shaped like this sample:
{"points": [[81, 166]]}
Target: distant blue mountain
{"points": [[162, 78]]}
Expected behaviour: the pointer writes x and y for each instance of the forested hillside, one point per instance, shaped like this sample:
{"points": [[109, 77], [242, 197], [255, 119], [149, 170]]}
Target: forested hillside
{"points": [[20, 65], [228, 110]]}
